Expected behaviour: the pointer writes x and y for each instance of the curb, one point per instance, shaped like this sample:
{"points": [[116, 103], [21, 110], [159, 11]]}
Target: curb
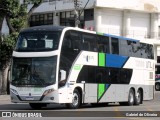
{"points": [[4, 97]]}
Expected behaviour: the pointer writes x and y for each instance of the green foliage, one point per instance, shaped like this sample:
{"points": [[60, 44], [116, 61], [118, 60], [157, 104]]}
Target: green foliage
{"points": [[7, 45], [17, 19]]}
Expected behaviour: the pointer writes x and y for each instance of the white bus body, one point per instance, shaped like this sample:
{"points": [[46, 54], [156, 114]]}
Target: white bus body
{"points": [[80, 67]]}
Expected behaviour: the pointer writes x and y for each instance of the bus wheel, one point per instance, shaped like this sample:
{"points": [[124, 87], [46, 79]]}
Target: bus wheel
{"points": [[138, 98], [76, 100], [37, 106], [157, 86], [131, 97]]}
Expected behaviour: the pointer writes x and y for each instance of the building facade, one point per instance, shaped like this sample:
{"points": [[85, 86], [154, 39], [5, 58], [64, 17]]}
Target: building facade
{"points": [[139, 19]]}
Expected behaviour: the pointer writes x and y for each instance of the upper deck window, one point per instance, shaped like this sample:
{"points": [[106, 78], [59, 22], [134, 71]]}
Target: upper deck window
{"points": [[38, 41]]}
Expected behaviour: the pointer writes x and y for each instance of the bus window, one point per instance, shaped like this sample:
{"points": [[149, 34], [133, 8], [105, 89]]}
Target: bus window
{"points": [[71, 47], [124, 48], [83, 75], [114, 45], [38, 41], [89, 42], [103, 44], [146, 51]]}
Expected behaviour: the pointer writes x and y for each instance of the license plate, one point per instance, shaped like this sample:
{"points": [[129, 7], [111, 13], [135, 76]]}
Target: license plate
{"points": [[29, 98]]}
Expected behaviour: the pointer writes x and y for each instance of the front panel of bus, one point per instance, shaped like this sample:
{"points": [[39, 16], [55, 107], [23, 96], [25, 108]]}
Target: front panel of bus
{"points": [[34, 66]]}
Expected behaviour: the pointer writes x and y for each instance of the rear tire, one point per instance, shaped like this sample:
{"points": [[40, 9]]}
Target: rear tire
{"points": [[138, 98], [131, 99], [157, 86], [76, 100]]}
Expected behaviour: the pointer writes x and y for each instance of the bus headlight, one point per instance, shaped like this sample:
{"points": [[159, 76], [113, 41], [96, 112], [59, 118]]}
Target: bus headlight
{"points": [[14, 91], [48, 91]]}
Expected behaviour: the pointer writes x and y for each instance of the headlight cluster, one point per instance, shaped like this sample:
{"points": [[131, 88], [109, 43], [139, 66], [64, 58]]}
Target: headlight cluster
{"points": [[48, 91], [14, 91]]}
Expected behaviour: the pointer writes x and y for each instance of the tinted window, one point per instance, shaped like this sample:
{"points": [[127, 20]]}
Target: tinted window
{"points": [[89, 42], [136, 49], [146, 51], [34, 71], [114, 45], [38, 41], [93, 74], [103, 44], [71, 47], [124, 48], [87, 74]]}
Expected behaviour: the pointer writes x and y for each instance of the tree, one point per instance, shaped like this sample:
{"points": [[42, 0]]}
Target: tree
{"points": [[17, 18]]}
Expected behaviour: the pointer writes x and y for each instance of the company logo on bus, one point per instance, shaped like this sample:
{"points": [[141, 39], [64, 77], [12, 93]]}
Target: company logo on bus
{"points": [[89, 58]]}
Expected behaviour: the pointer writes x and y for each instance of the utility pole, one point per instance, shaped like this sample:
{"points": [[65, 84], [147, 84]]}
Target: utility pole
{"points": [[76, 6], [78, 13], [54, 11]]}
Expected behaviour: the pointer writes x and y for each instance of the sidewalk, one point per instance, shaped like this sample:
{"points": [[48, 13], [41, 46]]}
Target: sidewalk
{"points": [[4, 97]]}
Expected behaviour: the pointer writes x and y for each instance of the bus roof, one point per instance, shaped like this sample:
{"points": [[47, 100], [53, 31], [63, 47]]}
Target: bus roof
{"points": [[120, 37], [43, 28], [60, 28]]}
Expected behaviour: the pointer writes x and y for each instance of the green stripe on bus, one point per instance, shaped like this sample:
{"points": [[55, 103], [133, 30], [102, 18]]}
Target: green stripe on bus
{"points": [[101, 59], [101, 90], [99, 33], [77, 67]]}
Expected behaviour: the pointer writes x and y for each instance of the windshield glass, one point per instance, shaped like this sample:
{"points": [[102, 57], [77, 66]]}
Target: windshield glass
{"points": [[34, 71], [38, 41]]}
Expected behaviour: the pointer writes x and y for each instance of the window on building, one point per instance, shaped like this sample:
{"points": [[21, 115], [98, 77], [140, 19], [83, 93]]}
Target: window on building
{"points": [[41, 19], [89, 14], [67, 18]]}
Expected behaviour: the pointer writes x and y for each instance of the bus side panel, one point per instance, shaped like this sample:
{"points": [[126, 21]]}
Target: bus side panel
{"points": [[90, 93], [120, 93], [148, 92], [108, 95], [97, 93]]}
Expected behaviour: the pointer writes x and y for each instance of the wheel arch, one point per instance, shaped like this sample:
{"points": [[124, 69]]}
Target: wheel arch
{"points": [[80, 92], [132, 89]]}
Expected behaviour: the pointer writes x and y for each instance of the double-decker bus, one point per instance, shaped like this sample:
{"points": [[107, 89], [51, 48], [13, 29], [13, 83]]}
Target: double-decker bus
{"points": [[55, 64]]}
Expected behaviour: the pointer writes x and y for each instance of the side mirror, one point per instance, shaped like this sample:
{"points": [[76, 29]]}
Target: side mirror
{"points": [[63, 75]]}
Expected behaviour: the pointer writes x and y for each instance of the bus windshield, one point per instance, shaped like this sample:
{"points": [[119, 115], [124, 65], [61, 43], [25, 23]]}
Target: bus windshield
{"points": [[38, 41], [34, 71]]}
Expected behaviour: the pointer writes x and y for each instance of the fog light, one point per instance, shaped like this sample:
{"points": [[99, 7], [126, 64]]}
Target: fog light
{"points": [[52, 98]]}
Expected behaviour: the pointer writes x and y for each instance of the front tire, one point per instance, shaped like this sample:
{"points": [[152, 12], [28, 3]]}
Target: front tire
{"points": [[76, 100]]}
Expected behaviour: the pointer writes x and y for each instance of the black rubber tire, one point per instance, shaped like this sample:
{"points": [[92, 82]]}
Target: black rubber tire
{"points": [[37, 106], [76, 101], [157, 86], [138, 99], [131, 97]]}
